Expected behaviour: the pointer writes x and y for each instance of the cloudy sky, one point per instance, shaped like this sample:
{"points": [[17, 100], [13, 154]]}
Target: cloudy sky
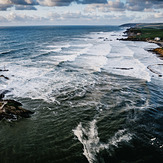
{"points": [[79, 12]]}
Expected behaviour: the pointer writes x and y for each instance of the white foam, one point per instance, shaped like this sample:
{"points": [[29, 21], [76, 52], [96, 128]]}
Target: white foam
{"points": [[144, 57], [37, 82], [156, 69], [28, 78], [52, 50], [61, 58], [72, 55], [153, 139], [88, 136], [124, 60], [91, 143], [120, 136], [55, 48], [59, 46], [94, 57], [82, 45]]}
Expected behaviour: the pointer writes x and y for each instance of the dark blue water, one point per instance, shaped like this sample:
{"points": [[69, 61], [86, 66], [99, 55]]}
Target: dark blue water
{"points": [[93, 96]]}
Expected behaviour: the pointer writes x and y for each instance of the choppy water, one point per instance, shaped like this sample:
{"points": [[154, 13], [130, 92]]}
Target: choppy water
{"points": [[95, 98]]}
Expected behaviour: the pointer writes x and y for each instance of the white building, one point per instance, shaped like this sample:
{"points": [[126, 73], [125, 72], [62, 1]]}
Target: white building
{"points": [[157, 39]]}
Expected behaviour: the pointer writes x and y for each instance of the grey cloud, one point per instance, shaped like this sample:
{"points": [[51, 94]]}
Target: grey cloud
{"points": [[5, 7], [135, 5], [130, 5], [15, 19], [139, 5], [68, 2], [91, 1], [55, 2], [24, 7], [23, 2], [110, 6], [19, 4], [49, 2], [117, 5], [76, 18]]}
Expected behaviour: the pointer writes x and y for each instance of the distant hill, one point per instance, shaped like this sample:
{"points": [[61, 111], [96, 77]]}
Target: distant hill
{"points": [[144, 25], [128, 25], [151, 25]]}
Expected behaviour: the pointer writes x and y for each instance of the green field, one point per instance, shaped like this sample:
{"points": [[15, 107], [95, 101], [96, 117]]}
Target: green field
{"points": [[148, 33], [144, 31]]}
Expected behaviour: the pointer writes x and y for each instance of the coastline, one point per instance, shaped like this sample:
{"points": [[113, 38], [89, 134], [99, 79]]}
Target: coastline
{"points": [[135, 34]]}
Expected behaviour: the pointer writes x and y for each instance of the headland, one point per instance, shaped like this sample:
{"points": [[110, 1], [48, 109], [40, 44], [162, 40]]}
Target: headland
{"points": [[152, 33]]}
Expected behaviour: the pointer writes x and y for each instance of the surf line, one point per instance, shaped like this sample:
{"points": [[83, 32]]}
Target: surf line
{"points": [[154, 71]]}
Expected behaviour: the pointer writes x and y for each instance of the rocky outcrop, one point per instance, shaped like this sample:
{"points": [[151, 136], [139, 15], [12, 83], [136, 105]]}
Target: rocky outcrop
{"points": [[132, 34], [159, 51], [153, 69], [141, 34], [123, 68], [5, 77], [11, 109], [2, 76], [4, 70]]}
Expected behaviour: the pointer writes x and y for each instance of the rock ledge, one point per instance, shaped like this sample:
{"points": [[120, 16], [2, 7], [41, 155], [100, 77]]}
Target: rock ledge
{"points": [[11, 109]]}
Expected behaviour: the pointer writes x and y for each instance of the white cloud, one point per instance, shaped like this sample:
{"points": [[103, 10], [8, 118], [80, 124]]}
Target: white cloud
{"points": [[24, 7], [110, 6], [141, 5], [158, 15], [95, 12], [103, 5]]}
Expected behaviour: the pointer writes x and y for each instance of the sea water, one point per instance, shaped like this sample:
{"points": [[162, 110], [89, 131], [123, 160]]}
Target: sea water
{"points": [[94, 97]]}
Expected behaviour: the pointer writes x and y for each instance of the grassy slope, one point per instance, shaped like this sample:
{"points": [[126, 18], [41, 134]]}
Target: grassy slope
{"points": [[149, 33]]}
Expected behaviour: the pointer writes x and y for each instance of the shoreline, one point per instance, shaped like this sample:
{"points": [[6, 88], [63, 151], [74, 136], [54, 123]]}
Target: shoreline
{"points": [[133, 35]]}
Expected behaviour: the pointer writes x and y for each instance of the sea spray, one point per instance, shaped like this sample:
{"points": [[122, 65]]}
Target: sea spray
{"points": [[90, 140]]}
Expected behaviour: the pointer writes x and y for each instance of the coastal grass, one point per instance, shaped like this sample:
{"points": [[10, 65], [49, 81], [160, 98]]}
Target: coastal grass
{"points": [[148, 33]]}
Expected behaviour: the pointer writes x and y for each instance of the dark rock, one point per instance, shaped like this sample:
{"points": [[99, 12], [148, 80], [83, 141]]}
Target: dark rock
{"points": [[2, 96], [4, 77], [106, 39], [2, 93], [4, 70], [13, 103], [150, 67], [101, 38], [122, 68], [11, 109]]}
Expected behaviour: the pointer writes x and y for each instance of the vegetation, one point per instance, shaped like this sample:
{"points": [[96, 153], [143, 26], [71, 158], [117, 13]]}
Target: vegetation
{"points": [[144, 25], [144, 32], [148, 33]]}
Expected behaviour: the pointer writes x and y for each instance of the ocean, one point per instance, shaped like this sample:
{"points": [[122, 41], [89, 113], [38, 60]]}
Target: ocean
{"points": [[96, 99]]}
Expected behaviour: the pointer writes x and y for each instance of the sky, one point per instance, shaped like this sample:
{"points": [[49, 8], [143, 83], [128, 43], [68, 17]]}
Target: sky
{"points": [[79, 12]]}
